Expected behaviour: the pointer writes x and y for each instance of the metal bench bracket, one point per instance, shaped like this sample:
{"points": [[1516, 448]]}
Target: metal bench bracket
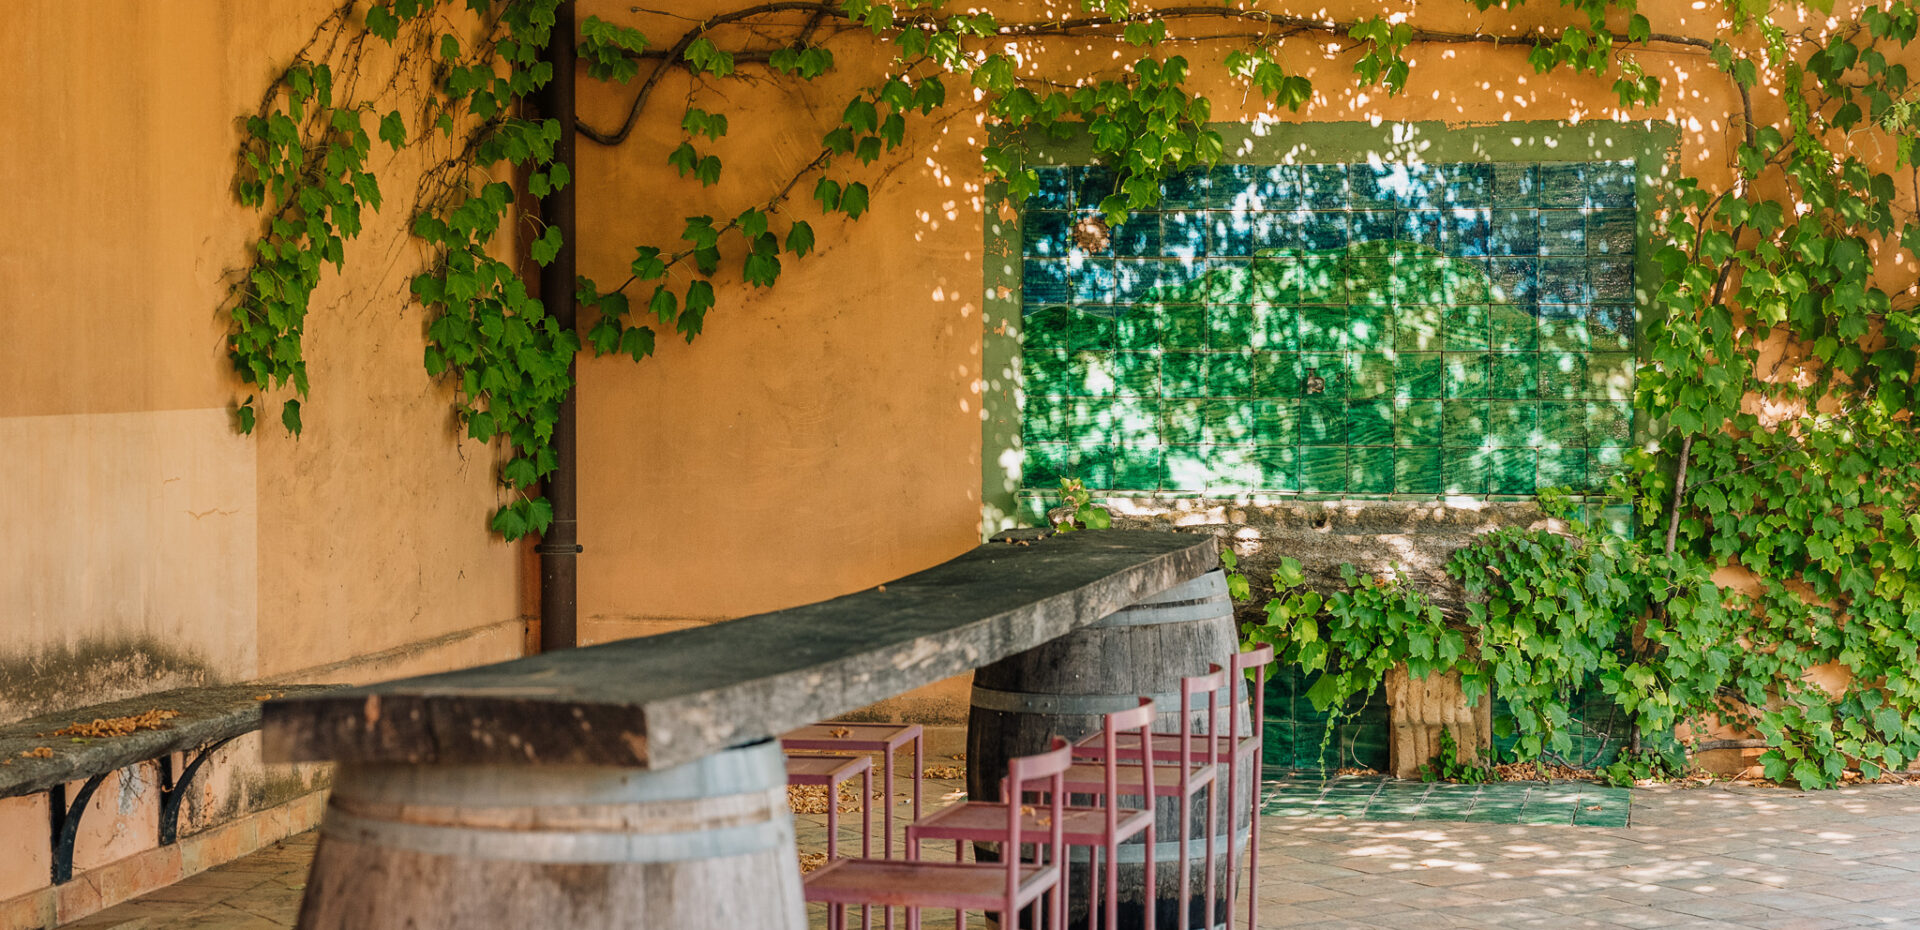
{"points": [[172, 792], [66, 823]]}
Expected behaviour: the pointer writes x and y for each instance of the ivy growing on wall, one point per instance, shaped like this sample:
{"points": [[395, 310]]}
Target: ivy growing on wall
{"points": [[1780, 345]]}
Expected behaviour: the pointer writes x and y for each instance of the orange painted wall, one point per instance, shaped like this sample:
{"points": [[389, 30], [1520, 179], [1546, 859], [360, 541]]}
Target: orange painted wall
{"points": [[824, 434]]}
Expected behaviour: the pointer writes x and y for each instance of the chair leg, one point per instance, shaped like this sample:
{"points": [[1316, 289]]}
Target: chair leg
{"points": [[866, 842], [960, 855], [1093, 883], [1113, 884], [1186, 857], [833, 820], [1213, 827], [1233, 858], [1150, 895], [1253, 840]]}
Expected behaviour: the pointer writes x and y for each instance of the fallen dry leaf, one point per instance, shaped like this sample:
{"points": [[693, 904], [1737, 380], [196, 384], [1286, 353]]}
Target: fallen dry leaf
{"points": [[944, 771], [119, 726], [811, 861], [38, 752]]}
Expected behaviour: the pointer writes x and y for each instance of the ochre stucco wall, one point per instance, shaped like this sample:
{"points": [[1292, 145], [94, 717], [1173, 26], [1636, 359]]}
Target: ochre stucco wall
{"points": [[147, 544]]}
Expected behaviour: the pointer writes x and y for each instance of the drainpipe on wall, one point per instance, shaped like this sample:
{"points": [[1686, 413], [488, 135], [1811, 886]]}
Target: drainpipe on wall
{"points": [[559, 547]]}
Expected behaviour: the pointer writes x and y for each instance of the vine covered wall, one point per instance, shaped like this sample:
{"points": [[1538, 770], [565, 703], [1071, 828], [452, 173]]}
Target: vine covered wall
{"points": [[838, 176]]}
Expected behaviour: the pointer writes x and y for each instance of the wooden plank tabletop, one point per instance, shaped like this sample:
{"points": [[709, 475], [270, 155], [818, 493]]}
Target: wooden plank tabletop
{"points": [[33, 759], [665, 700]]}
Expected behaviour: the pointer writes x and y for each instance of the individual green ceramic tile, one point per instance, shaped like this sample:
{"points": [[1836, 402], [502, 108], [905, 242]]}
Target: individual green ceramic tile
{"points": [[1607, 816], [1045, 329], [1513, 374], [1230, 326], [1419, 375], [1095, 374], [1418, 328], [1611, 278], [1230, 374], [1275, 328], [1320, 278], [1563, 425], [1229, 421], [1136, 468], [1467, 375], [1135, 421], [1183, 468], [1610, 376], [1503, 812], [1417, 470], [1046, 372], [1514, 329], [1370, 328], [1227, 281], [1279, 467], [1465, 471], [1563, 335], [1370, 423], [1609, 423], [1323, 469], [1512, 472], [1617, 519], [1044, 419], [1612, 327], [1274, 281], [1323, 423], [1372, 376], [1417, 422], [1465, 423], [1183, 327], [1089, 418], [1373, 280], [1138, 328], [1370, 471], [1563, 375], [1514, 423], [1469, 327], [1184, 374], [1277, 374], [1276, 422], [1092, 331], [1136, 374], [1322, 329], [1232, 469], [1182, 422], [1331, 370]]}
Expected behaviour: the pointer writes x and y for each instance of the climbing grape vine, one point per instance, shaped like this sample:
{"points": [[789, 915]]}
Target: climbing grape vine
{"points": [[1779, 345]]}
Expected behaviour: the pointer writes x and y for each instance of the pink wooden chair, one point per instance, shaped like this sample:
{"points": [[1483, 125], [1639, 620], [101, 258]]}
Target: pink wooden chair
{"points": [[1191, 771], [833, 771], [1098, 828], [1004, 887], [886, 739], [1232, 745]]}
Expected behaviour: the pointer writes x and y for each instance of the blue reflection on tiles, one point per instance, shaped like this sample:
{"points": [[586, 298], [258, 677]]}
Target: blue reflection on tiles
{"points": [[1056, 188], [1138, 237], [1044, 233], [1183, 234]]}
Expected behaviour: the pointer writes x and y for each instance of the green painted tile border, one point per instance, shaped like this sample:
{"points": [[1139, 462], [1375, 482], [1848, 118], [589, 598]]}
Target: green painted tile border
{"points": [[1653, 147], [1578, 804]]}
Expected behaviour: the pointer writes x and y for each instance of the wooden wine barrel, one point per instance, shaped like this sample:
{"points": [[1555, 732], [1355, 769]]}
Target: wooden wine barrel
{"points": [[1065, 686], [703, 846]]}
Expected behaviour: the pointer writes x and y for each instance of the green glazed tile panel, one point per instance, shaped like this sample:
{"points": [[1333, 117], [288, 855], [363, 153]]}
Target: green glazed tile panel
{"points": [[1462, 328]]}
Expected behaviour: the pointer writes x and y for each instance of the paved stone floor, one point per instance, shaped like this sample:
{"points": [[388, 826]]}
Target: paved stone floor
{"points": [[1733, 858]]}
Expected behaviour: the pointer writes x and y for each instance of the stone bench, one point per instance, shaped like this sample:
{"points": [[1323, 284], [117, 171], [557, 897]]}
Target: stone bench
{"points": [[33, 759]]}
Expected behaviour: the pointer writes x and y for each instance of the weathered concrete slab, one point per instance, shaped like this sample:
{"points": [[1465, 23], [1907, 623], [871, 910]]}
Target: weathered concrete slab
{"points": [[665, 700], [206, 715]]}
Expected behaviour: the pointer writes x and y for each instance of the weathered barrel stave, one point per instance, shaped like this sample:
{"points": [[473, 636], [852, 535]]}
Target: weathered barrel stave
{"points": [[587, 847]]}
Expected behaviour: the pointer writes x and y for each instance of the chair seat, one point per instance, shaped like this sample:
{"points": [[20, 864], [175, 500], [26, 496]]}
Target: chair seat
{"points": [[819, 770], [985, 822], [851, 737], [1168, 780], [1166, 746], [898, 883]]}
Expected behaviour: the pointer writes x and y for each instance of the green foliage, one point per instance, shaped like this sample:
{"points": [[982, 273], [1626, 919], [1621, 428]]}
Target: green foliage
{"points": [[1086, 514], [1446, 764]]}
